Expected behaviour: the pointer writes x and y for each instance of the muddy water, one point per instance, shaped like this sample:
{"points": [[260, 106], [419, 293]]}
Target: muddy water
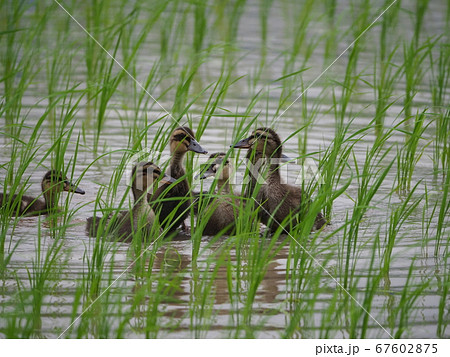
{"points": [[271, 311]]}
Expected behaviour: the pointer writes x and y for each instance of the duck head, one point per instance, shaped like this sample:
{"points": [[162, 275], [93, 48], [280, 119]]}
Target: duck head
{"points": [[262, 140], [183, 140], [218, 166], [55, 181], [146, 174]]}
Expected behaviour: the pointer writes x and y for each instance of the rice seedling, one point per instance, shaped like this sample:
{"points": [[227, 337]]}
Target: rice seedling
{"points": [[414, 57], [301, 22], [401, 313], [264, 11], [444, 208], [18, 57], [440, 74], [40, 276], [200, 25], [330, 40], [361, 301], [442, 318], [421, 9], [369, 178], [96, 14], [109, 85], [203, 294], [389, 22], [408, 156], [332, 166], [308, 116], [383, 84], [398, 217], [234, 12], [360, 13]]}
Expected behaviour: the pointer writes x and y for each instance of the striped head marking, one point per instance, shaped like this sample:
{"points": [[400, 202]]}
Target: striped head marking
{"points": [[183, 140]]}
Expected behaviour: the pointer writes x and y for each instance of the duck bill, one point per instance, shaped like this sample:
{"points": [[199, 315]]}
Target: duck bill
{"points": [[70, 187], [206, 174], [243, 144], [195, 147], [285, 158], [79, 190]]}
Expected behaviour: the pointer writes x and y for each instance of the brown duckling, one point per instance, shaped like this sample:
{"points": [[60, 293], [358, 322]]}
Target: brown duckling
{"points": [[277, 199], [53, 183], [126, 223], [224, 207], [177, 199]]}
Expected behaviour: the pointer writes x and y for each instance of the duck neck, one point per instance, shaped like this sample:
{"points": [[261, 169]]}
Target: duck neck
{"points": [[141, 204], [274, 167], [254, 170], [223, 186], [136, 194], [176, 164], [142, 212]]}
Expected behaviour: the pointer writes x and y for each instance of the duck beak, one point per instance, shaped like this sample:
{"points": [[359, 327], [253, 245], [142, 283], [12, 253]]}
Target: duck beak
{"points": [[70, 187], [205, 174], [79, 190], [195, 147], [243, 144], [285, 158]]}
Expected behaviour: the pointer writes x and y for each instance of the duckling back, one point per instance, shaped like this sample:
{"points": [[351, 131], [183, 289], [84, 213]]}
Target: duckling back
{"points": [[27, 205]]}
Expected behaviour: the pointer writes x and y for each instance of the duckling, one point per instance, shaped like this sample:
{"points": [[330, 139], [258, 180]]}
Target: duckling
{"points": [[52, 183], [224, 207], [277, 199], [141, 216], [177, 197]]}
